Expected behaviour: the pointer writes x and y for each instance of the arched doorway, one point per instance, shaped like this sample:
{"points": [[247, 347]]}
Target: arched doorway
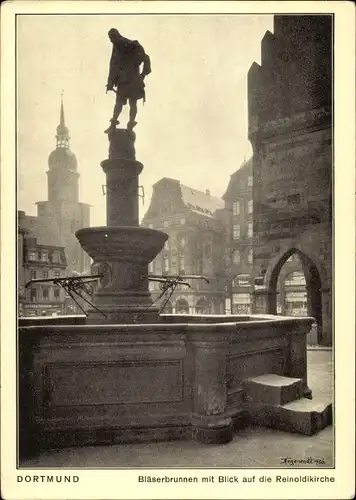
{"points": [[295, 293], [295, 288], [182, 306], [203, 307]]}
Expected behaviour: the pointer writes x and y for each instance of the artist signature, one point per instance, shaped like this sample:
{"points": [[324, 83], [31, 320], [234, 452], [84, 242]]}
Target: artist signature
{"points": [[302, 461]]}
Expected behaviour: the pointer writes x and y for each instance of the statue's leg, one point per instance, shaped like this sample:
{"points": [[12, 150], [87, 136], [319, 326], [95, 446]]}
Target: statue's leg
{"points": [[117, 109], [119, 104], [133, 113]]}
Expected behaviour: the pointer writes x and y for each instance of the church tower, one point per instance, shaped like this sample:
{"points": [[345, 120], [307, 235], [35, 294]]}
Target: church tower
{"points": [[62, 176], [63, 209]]}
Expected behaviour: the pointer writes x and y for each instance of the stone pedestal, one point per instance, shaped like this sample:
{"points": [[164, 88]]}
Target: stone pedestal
{"points": [[122, 249], [122, 171]]}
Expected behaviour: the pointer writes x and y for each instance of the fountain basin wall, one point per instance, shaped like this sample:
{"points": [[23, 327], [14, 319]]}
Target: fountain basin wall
{"points": [[101, 384]]}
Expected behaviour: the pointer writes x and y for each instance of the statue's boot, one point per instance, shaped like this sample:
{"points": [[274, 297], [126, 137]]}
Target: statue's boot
{"points": [[112, 126], [131, 124]]}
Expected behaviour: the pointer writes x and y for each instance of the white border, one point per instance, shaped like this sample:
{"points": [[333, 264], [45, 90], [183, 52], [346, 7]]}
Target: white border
{"points": [[110, 484]]}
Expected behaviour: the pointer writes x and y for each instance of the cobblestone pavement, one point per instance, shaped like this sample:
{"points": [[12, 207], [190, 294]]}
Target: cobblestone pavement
{"points": [[253, 447]]}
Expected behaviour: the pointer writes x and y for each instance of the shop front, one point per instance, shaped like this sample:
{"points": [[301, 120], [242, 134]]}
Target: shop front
{"points": [[241, 303], [40, 309], [296, 303], [241, 294]]}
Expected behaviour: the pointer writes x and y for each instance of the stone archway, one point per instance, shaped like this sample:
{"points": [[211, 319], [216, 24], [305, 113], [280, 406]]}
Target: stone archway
{"points": [[203, 306], [182, 306], [313, 286]]}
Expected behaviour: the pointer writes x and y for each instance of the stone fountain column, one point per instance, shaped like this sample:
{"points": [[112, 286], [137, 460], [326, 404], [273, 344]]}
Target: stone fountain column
{"points": [[122, 249]]}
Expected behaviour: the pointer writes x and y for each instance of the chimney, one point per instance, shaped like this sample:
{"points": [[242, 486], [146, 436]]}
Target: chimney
{"points": [[207, 192]]}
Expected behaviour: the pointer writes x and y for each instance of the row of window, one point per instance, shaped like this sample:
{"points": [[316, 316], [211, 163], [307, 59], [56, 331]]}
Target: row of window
{"points": [[182, 221], [172, 243], [43, 256], [236, 231], [175, 262], [169, 265], [174, 265], [236, 207], [43, 274], [236, 256], [173, 222], [36, 294]]}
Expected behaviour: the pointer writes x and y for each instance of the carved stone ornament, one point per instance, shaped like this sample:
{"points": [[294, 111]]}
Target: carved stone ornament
{"points": [[122, 144], [106, 271]]}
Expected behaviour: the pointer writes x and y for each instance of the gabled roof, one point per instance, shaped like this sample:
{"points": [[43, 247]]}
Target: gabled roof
{"points": [[200, 202], [197, 201]]}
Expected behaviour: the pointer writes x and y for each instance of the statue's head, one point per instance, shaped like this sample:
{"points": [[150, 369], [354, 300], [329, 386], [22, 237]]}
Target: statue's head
{"points": [[113, 34]]}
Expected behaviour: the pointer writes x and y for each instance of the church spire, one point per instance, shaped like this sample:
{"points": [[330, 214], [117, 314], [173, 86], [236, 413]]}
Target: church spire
{"points": [[62, 124], [62, 131], [62, 157]]}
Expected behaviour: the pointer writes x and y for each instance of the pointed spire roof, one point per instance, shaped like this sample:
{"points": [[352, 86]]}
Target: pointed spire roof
{"points": [[62, 156], [62, 122], [62, 131]]}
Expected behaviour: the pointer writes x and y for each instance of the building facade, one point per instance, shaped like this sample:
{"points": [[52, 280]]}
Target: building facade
{"points": [[63, 211], [39, 261], [291, 286], [239, 244], [194, 222], [290, 130]]}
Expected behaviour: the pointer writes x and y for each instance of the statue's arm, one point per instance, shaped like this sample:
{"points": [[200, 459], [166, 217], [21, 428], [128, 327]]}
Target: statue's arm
{"points": [[144, 59], [146, 70], [112, 70]]}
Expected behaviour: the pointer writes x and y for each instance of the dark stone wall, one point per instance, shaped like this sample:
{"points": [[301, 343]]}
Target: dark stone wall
{"points": [[295, 74], [290, 129]]}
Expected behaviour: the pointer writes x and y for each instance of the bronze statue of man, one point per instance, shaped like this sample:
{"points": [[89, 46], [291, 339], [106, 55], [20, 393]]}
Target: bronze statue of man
{"points": [[125, 77]]}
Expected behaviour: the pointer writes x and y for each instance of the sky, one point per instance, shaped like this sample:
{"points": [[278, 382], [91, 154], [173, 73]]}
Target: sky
{"points": [[193, 126]]}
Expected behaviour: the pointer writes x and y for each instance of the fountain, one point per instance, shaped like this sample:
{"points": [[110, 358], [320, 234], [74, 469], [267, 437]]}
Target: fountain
{"points": [[122, 249], [134, 375]]}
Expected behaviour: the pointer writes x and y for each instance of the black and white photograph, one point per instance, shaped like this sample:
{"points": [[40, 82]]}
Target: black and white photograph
{"points": [[172, 280]]}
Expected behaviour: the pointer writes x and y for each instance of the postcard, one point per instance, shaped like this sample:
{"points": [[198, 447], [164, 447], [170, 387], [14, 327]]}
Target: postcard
{"points": [[178, 250]]}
